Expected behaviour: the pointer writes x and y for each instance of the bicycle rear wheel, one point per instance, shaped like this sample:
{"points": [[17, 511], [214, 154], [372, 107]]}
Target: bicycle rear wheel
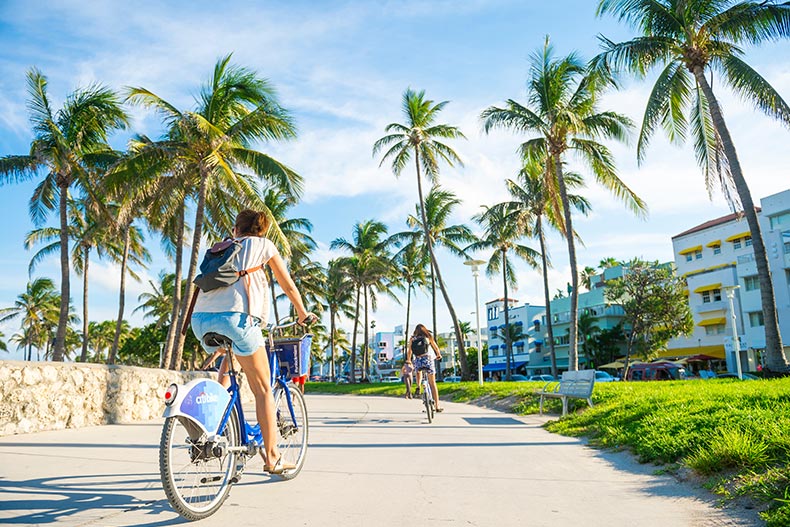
{"points": [[196, 475], [426, 400], [291, 436]]}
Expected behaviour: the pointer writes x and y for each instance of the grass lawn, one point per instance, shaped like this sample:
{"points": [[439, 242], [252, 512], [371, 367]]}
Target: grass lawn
{"points": [[734, 434]]}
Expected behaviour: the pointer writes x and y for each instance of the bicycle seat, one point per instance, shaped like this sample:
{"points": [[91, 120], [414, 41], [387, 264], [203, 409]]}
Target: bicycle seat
{"points": [[215, 339]]}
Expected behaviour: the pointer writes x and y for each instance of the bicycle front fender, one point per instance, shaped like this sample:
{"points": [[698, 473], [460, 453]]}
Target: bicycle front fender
{"points": [[201, 401]]}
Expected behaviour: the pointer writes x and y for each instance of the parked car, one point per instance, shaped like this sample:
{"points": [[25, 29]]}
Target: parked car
{"points": [[656, 371], [602, 376], [518, 377], [390, 378], [452, 378], [745, 376], [542, 378]]}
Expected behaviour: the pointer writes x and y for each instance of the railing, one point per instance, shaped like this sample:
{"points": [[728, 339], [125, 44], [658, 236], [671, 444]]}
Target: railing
{"points": [[746, 258], [711, 306]]}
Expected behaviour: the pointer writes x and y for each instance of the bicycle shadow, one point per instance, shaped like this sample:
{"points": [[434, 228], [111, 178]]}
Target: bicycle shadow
{"points": [[84, 499]]}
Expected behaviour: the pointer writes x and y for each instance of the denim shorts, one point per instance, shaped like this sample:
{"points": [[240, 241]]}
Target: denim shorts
{"points": [[243, 329]]}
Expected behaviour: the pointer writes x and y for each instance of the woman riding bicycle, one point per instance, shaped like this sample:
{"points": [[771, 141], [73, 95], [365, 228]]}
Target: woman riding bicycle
{"points": [[424, 364], [240, 310]]}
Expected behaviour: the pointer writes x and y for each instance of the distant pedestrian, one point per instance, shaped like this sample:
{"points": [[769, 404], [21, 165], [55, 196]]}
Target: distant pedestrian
{"points": [[406, 372]]}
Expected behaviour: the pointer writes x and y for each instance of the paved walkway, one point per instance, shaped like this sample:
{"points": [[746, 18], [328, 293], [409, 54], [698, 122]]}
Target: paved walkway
{"points": [[373, 461]]}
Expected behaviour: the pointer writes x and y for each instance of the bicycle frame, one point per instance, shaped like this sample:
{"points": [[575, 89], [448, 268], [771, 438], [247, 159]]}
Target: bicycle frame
{"points": [[208, 405]]}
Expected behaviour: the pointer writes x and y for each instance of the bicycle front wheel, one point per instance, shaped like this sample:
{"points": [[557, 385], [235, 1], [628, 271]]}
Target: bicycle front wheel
{"points": [[292, 431], [196, 474]]}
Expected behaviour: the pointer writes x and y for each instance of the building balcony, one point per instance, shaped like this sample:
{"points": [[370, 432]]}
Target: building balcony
{"points": [[719, 305]]}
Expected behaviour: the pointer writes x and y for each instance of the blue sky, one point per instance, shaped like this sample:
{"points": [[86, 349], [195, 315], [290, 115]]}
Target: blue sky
{"points": [[341, 68]]}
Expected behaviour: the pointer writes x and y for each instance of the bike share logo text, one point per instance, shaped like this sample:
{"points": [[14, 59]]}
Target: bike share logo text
{"points": [[206, 398]]}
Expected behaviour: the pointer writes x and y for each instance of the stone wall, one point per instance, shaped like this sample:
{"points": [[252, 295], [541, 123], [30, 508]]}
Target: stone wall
{"points": [[37, 396]]}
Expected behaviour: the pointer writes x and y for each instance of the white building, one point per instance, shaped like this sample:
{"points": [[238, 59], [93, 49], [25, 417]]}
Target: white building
{"points": [[528, 355], [449, 354], [716, 256]]}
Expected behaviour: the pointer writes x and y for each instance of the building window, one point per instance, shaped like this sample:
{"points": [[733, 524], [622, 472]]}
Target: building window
{"points": [[781, 219], [718, 329], [756, 319], [747, 241], [689, 257], [751, 283], [711, 296], [736, 244], [382, 344], [697, 255], [716, 249]]}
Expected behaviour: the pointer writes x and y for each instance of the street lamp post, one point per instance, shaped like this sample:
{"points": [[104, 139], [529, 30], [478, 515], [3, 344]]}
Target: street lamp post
{"points": [[736, 344], [475, 265]]}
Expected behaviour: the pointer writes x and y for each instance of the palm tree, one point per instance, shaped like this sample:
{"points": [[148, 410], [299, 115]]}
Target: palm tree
{"points": [[158, 303], [370, 267], [586, 277], [67, 144], [38, 309], [587, 331], [688, 42], [531, 202], [88, 232], [411, 263], [234, 110], [502, 232], [419, 138], [564, 114], [337, 297], [102, 335], [3, 345], [607, 263], [439, 206]]}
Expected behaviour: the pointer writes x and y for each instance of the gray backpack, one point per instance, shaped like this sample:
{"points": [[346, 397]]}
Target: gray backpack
{"points": [[218, 268]]}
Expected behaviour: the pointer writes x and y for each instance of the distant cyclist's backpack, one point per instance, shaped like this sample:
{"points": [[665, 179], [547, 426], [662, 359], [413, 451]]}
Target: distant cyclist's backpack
{"points": [[419, 345]]}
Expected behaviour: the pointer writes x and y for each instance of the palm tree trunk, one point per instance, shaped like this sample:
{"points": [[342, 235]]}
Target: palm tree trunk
{"points": [[65, 291], [353, 368], [332, 343], [442, 287], [545, 264], [177, 292], [573, 329], [774, 351], [178, 351], [408, 312], [508, 344], [365, 350], [122, 297], [85, 336]]}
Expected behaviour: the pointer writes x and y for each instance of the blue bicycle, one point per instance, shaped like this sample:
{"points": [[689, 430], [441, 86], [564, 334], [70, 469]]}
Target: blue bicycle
{"points": [[206, 440]]}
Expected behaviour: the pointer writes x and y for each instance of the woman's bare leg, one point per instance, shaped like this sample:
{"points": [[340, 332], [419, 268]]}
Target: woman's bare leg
{"points": [[256, 368], [434, 388]]}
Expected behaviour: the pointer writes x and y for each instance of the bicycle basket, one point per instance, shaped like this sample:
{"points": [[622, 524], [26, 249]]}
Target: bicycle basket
{"points": [[293, 354]]}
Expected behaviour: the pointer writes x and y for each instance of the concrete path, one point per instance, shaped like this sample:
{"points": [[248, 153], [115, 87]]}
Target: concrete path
{"points": [[373, 461]]}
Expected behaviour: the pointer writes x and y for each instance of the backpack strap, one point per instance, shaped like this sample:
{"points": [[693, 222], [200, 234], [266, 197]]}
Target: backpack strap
{"points": [[188, 317]]}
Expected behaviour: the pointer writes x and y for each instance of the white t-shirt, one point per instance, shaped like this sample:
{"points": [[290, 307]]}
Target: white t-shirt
{"points": [[254, 251]]}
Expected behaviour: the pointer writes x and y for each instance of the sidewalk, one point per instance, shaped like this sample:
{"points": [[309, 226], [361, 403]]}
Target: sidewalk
{"points": [[373, 461]]}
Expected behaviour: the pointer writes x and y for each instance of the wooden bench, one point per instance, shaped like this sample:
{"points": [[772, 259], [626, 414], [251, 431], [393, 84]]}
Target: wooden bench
{"points": [[572, 385]]}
